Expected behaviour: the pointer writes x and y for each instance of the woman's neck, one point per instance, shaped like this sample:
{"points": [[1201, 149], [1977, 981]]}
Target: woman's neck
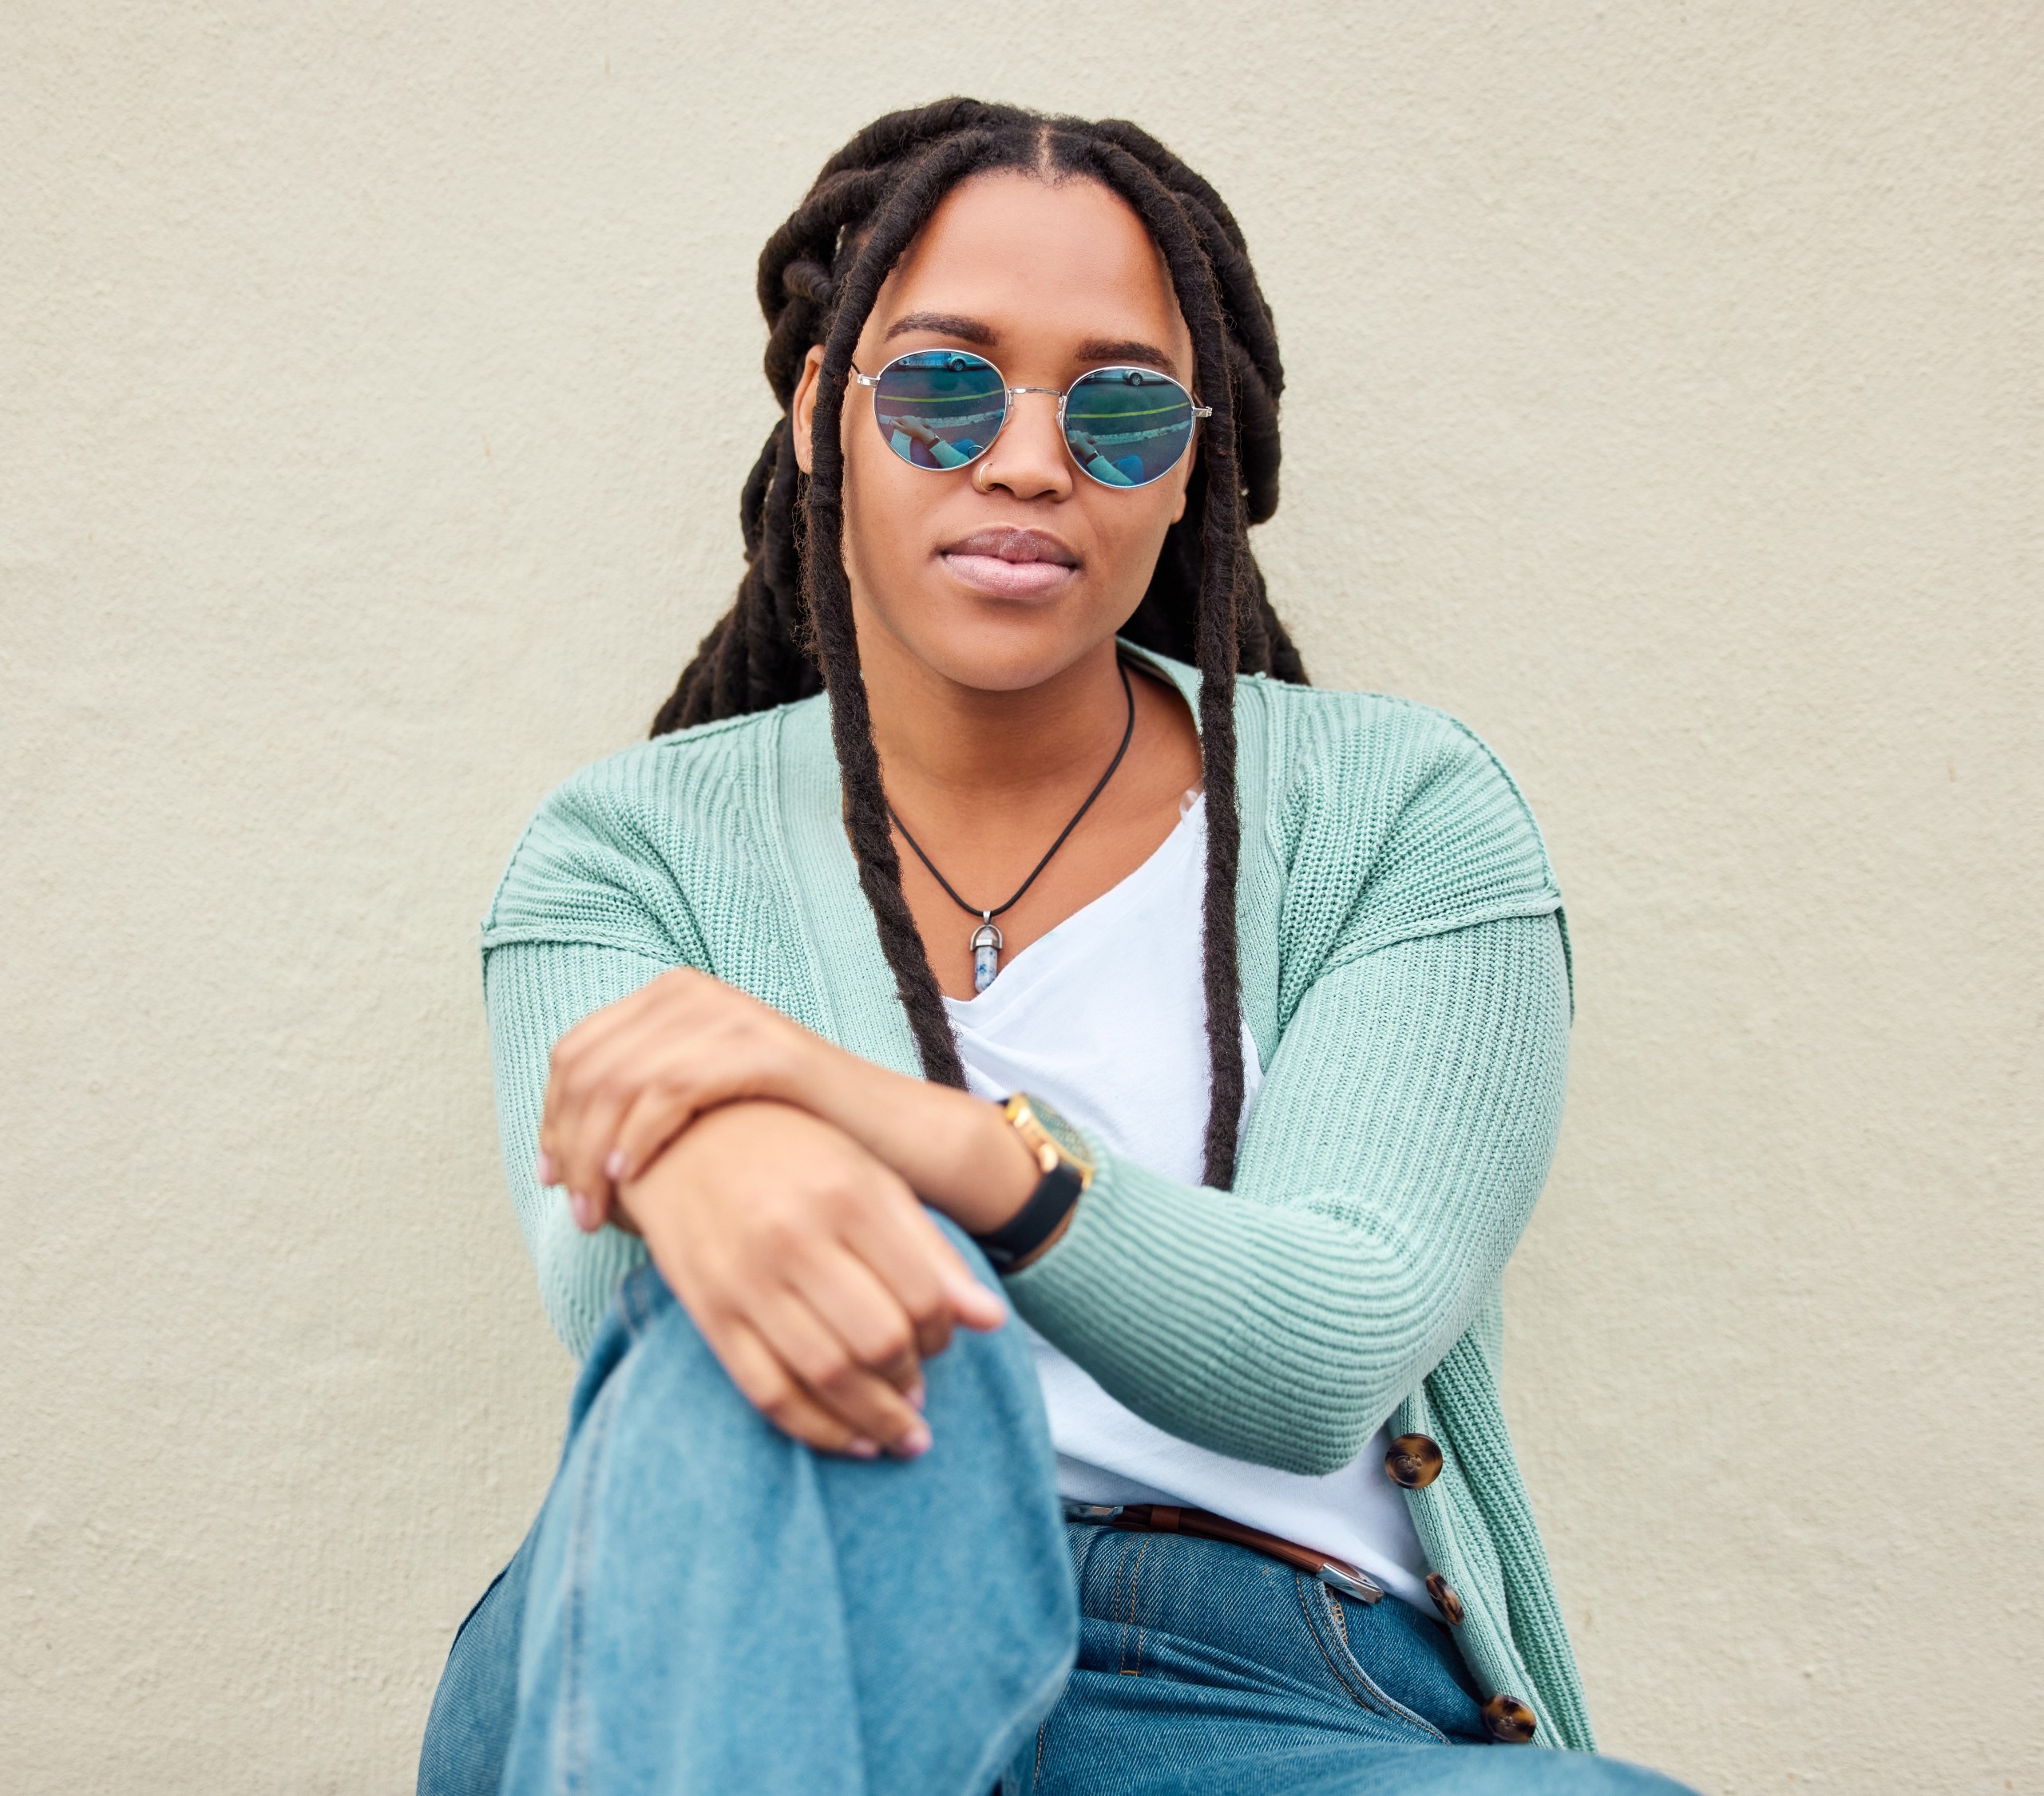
{"points": [[988, 780], [955, 747]]}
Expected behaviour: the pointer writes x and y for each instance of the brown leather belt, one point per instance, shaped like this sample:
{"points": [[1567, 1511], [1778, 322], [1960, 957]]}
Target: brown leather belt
{"points": [[1168, 1518]]}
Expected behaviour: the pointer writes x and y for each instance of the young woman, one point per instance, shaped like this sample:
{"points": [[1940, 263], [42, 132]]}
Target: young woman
{"points": [[968, 927]]}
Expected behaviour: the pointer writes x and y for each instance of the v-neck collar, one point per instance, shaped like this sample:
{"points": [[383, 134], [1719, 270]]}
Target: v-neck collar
{"points": [[1100, 913], [862, 1011]]}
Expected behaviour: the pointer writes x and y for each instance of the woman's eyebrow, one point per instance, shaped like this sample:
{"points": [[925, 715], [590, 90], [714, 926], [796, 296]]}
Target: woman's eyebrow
{"points": [[1096, 350], [1125, 349], [944, 324]]}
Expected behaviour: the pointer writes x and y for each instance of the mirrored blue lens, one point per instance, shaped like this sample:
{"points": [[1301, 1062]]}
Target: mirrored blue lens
{"points": [[939, 408], [1127, 426]]}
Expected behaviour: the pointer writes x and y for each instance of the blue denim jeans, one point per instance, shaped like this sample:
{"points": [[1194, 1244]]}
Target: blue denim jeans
{"points": [[704, 1605]]}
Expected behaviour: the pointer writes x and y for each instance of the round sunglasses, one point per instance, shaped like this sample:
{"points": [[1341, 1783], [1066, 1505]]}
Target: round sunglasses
{"points": [[941, 408]]}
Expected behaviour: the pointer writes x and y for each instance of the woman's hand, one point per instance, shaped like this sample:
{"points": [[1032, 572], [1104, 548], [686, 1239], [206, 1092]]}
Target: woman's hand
{"points": [[631, 1079], [626, 1080], [814, 1272]]}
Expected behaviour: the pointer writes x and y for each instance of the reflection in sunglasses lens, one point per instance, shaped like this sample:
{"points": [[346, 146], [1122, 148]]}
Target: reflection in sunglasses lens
{"points": [[939, 408], [1127, 426]]}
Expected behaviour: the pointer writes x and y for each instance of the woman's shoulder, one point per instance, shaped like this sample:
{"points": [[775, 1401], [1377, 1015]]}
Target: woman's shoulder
{"points": [[1401, 813], [1373, 743], [1374, 780], [1318, 733], [1327, 732], [685, 767], [614, 852]]}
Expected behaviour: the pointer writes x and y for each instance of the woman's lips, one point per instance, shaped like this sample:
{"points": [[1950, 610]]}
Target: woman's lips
{"points": [[1011, 563], [1009, 579]]}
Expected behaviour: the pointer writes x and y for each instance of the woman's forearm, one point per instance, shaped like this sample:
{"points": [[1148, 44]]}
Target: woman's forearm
{"points": [[628, 1080], [957, 1152]]}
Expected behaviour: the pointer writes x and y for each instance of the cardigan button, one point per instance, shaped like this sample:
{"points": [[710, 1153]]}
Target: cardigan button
{"points": [[1445, 1600], [1413, 1461], [1508, 1720]]}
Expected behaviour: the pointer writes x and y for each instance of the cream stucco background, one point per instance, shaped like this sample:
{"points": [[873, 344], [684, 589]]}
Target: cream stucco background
{"points": [[375, 386]]}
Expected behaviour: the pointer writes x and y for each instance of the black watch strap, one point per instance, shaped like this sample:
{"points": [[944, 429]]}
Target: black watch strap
{"points": [[1033, 1225], [1067, 1165]]}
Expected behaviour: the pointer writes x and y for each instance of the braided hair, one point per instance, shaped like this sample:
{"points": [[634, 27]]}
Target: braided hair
{"points": [[790, 632]]}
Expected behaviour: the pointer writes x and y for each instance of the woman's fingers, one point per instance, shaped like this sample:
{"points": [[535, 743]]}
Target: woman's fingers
{"points": [[578, 1046], [979, 1309], [831, 1374], [627, 1080], [662, 1108], [569, 1085], [893, 1237], [768, 1385], [775, 1228], [596, 1082], [973, 1304], [906, 1249], [863, 1313]]}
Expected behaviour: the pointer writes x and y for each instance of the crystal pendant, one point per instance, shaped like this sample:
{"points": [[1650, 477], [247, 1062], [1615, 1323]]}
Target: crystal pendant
{"points": [[986, 955]]}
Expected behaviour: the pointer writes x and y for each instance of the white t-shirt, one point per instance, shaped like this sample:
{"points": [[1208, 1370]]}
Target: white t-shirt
{"points": [[1105, 1020]]}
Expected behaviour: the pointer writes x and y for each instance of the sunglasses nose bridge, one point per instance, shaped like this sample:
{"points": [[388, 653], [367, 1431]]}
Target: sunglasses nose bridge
{"points": [[1011, 408], [1016, 393]]}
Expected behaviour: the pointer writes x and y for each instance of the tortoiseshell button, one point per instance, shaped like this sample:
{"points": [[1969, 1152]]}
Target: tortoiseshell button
{"points": [[1445, 1600], [1414, 1462], [1508, 1720]]}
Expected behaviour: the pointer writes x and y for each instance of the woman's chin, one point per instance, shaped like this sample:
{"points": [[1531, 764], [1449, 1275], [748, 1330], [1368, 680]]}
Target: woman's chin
{"points": [[1008, 647]]}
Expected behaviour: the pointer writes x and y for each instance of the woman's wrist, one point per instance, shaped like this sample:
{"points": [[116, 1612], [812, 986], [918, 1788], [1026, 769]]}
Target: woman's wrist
{"points": [[960, 1154], [996, 1173], [957, 1152]]}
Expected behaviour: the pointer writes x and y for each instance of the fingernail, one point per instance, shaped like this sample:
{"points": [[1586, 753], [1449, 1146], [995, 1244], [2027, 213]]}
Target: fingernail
{"points": [[920, 1394], [859, 1447], [579, 1207], [914, 1442], [543, 1168], [614, 1165]]}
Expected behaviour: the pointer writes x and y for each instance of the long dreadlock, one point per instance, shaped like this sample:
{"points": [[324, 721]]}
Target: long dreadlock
{"points": [[790, 632]]}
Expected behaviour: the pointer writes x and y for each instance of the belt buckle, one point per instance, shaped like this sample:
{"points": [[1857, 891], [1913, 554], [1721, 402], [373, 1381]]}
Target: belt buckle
{"points": [[1350, 1582]]}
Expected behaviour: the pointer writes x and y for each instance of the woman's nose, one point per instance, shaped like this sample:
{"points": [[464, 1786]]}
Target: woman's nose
{"points": [[1028, 458]]}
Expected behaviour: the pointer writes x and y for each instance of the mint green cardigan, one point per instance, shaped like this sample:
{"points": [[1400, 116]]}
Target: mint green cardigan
{"points": [[1403, 973]]}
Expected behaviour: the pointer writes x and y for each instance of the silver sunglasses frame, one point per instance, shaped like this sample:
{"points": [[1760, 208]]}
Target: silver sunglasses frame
{"points": [[1011, 393]]}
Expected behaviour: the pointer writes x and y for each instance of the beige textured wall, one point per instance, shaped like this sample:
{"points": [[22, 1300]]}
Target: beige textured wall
{"points": [[375, 386]]}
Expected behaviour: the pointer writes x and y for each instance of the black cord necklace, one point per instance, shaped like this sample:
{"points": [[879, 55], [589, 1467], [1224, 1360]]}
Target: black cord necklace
{"points": [[986, 939]]}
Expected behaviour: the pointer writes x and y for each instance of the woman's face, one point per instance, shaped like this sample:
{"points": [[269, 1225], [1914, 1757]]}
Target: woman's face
{"points": [[1003, 574]]}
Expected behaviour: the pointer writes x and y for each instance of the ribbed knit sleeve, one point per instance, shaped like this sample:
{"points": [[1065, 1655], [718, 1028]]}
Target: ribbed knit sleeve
{"points": [[1404, 1126], [536, 992], [1393, 1159]]}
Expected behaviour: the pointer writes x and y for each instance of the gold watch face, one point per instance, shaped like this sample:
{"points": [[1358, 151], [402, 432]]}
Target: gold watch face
{"points": [[1050, 1126]]}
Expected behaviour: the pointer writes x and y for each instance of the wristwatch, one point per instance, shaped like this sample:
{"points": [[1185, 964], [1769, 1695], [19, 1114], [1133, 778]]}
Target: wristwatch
{"points": [[1061, 1156]]}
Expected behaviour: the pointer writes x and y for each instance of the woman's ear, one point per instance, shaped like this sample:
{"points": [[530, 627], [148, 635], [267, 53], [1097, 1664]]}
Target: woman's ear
{"points": [[801, 408], [1185, 481]]}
